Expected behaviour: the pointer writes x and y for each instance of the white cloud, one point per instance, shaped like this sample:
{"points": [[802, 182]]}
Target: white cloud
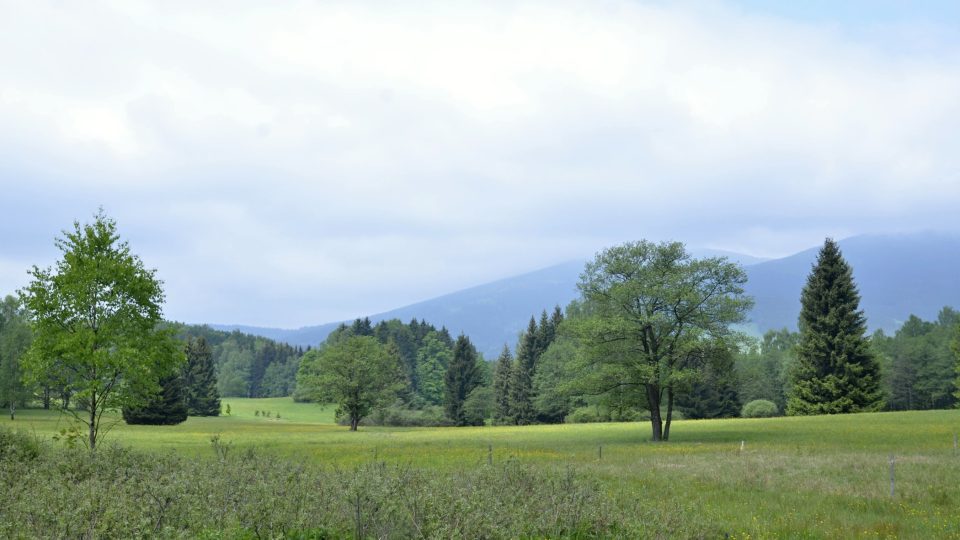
{"points": [[333, 159]]}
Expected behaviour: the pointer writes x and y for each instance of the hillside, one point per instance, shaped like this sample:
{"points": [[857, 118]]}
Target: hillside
{"points": [[898, 275]]}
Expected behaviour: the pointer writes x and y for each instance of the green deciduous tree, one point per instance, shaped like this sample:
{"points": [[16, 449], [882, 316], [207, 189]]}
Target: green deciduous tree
{"points": [[95, 319], [15, 338], [356, 372], [556, 368], [200, 379], [836, 370], [462, 377], [763, 371], [433, 358], [648, 310]]}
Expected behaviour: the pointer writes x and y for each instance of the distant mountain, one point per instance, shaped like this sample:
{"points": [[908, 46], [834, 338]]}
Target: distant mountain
{"points": [[898, 275], [492, 314]]}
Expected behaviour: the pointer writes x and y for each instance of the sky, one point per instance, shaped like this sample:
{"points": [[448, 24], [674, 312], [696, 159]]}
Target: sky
{"points": [[295, 163]]}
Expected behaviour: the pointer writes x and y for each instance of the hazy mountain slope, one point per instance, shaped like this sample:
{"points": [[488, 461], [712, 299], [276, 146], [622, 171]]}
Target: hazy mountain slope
{"points": [[491, 314], [897, 275]]}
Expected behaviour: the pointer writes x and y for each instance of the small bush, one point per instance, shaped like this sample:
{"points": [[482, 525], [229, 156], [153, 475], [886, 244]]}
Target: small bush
{"points": [[592, 413], [17, 446], [431, 416], [760, 408]]}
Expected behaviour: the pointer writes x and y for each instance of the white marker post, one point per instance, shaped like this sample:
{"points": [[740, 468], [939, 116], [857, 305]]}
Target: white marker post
{"points": [[893, 480]]}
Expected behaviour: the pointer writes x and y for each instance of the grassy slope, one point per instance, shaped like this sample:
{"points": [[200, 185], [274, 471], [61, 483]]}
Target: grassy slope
{"points": [[818, 476]]}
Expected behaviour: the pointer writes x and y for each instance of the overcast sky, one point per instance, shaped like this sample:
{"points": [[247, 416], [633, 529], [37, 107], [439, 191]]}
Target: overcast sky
{"points": [[295, 163]]}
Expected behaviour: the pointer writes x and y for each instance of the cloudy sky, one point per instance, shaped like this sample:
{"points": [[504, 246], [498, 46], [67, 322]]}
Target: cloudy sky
{"points": [[294, 163]]}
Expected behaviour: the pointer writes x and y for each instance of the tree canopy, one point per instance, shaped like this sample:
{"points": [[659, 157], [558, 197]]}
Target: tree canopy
{"points": [[649, 312], [95, 318], [358, 373], [836, 370]]}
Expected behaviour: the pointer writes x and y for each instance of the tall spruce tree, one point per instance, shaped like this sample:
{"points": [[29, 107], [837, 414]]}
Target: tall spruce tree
{"points": [[502, 376], [463, 375], [521, 387], [836, 371], [200, 379]]}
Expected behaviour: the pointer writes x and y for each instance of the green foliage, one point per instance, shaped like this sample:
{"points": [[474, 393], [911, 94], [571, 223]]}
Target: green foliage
{"points": [[247, 365], [399, 415], [357, 373], [15, 338], [95, 318], [478, 406], [521, 387], [433, 359], [462, 377], [254, 495], [167, 408], [200, 379], [552, 388], [763, 371], [787, 463], [836, 369], [760, 408], [918, 362], [233, 377], [502, 377], [713, 391], [955, 347], [649, 310], [17, 446]]}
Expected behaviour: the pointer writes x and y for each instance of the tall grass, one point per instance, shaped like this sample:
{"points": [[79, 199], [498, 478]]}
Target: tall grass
{"points": [[817, 477]]}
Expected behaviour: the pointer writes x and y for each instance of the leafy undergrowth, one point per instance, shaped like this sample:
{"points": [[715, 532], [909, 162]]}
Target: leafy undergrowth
{"points": [[120, 493], [812, 477]]}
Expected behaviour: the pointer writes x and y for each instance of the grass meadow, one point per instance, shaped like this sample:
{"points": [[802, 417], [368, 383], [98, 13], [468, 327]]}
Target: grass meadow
{"points": [[810, 477]]}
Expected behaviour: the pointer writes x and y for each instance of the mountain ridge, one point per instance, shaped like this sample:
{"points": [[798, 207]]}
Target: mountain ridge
{"points": [[897, 274]]}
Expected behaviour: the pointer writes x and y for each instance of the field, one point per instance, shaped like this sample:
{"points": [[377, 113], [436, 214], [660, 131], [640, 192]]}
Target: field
{"points": [[810, 477]]}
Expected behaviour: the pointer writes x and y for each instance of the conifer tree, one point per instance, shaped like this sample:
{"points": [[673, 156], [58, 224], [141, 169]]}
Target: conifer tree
{"points": [[502, 376], [200, 379], [836, 371], [521, 387], [463, 375], [167, 408], [955, 347]]}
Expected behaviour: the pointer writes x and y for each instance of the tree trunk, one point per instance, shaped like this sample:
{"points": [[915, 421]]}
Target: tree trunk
{"points": [[653, 400], [46, 398], [93, 424], [666, 430], [13, 409], [353, 423]]}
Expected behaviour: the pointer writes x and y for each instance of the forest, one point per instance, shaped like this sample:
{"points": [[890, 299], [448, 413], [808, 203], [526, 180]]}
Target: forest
{"points": [[653, 337]]}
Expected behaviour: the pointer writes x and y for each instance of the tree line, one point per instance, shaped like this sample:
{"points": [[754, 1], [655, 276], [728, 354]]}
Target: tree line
{"points": [[652, 337]]}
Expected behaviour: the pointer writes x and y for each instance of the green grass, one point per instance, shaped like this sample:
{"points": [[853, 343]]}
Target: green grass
{"points": [[824, 476]]}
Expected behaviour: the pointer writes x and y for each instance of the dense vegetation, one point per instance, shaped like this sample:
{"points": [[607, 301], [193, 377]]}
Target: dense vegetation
{"points": [[246, 365], [811, 477]]}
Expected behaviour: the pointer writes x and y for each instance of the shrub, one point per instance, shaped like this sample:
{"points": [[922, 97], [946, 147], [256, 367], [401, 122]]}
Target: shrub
{"points": [[400, 416], [760, 408], [17, 446], [249, 495], [593, 413]]}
